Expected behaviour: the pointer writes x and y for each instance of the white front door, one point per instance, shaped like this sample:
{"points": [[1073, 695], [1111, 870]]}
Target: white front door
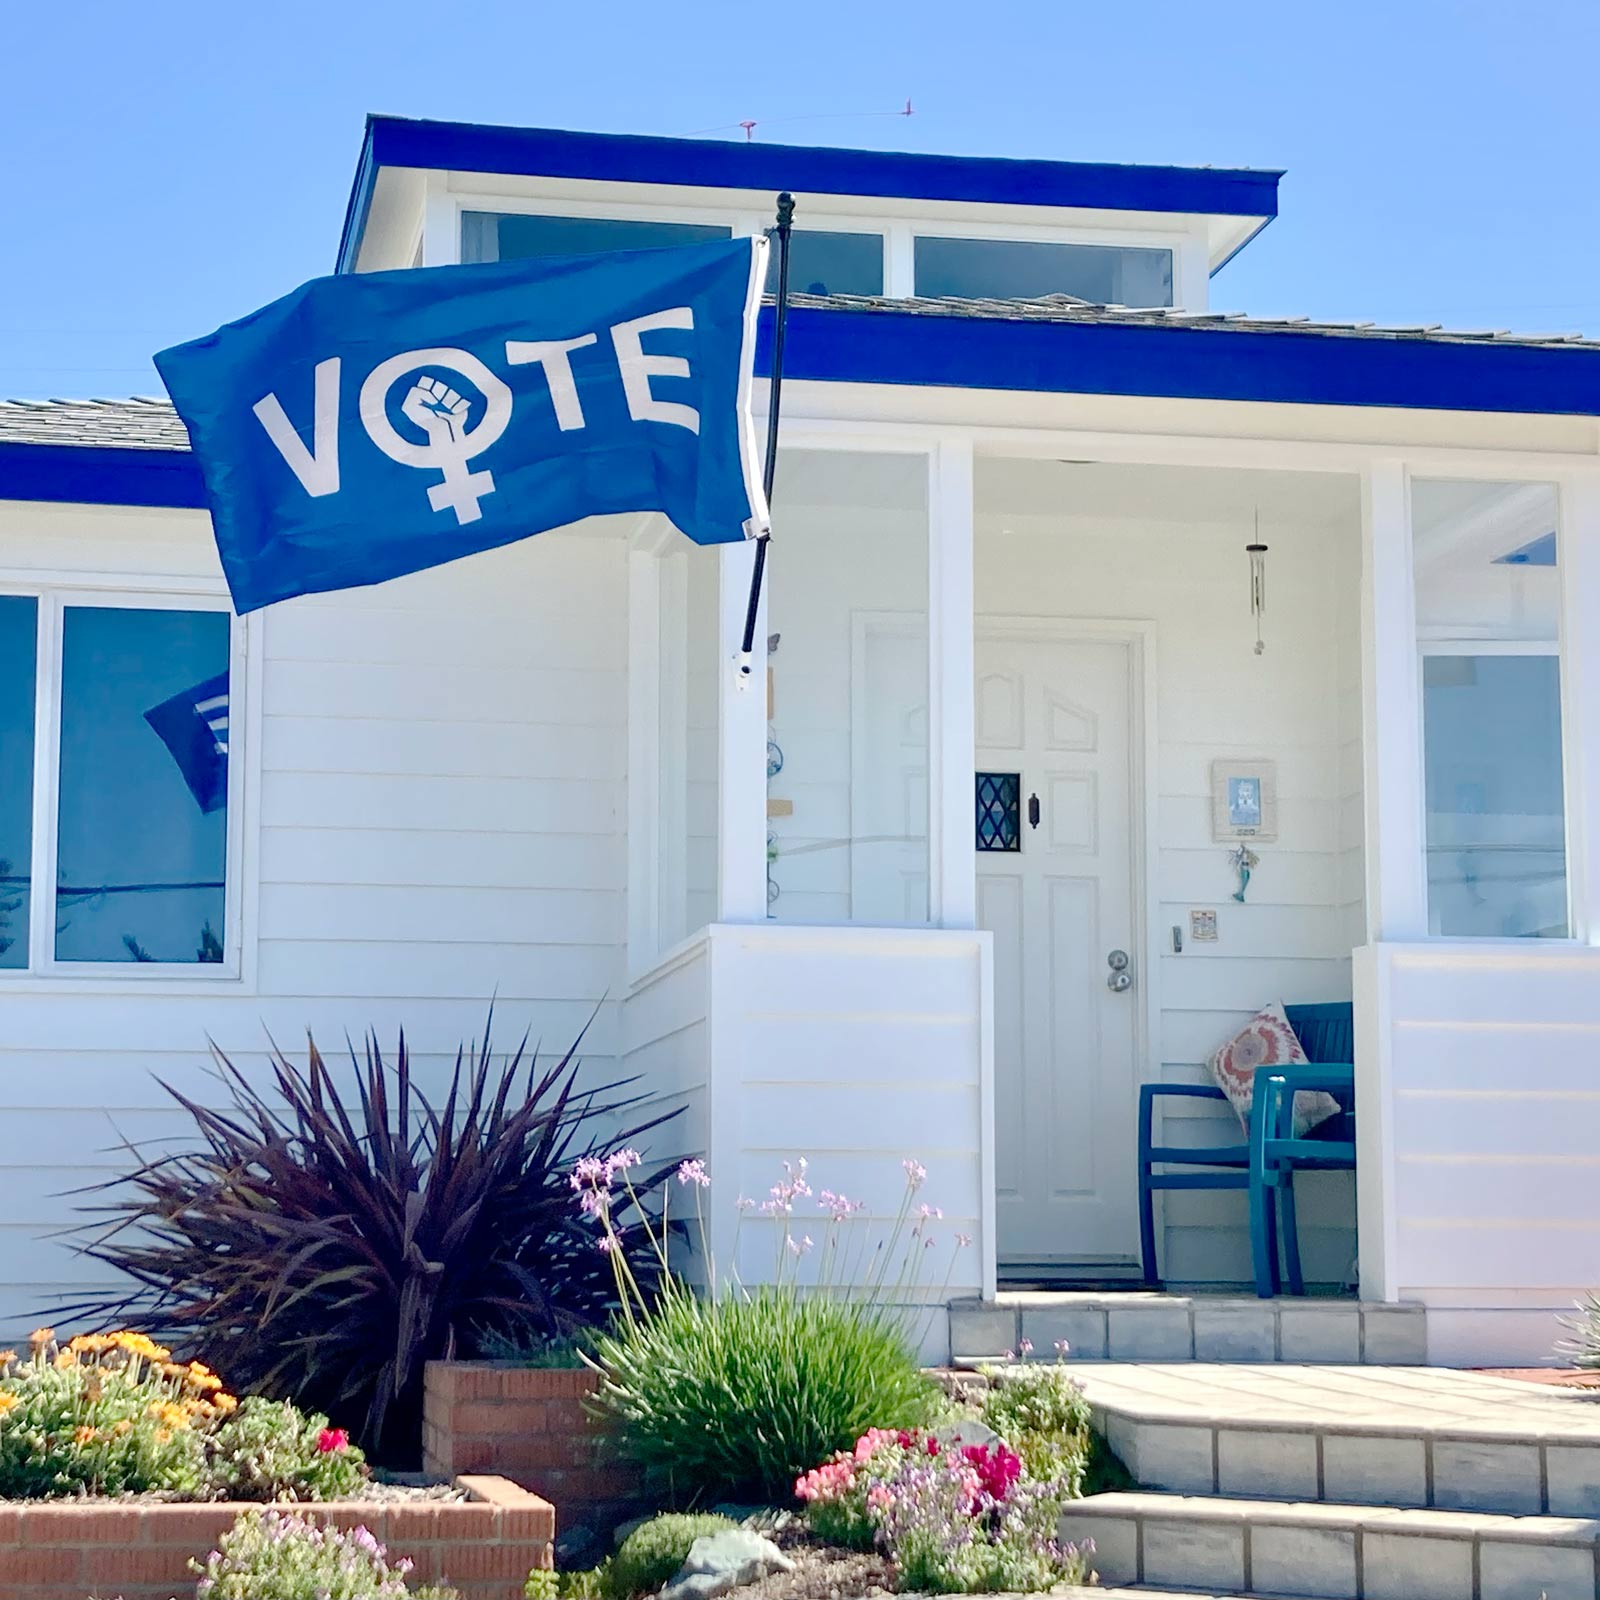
{"points": [[1055, 887]]}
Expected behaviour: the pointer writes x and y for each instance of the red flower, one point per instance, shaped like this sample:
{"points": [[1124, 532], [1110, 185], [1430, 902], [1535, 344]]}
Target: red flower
{"points": [[997, 1469], [331, 1439]]}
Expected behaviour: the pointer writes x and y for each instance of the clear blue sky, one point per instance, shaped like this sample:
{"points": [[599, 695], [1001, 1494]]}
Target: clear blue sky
{"points": [[170, 165]]}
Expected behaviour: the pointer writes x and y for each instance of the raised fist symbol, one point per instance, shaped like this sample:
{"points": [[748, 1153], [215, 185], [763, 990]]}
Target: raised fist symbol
{"points": [[438, 410]]}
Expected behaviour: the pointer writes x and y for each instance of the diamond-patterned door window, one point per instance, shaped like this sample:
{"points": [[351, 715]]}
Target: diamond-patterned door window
{"points": [[999, 811]]}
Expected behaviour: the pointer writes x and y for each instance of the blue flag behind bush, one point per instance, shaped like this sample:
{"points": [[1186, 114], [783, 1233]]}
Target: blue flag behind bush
{"points": [[374, 424]]}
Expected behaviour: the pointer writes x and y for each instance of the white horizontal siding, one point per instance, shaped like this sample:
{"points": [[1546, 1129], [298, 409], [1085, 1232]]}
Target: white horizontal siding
{"points": [[441, 822], [1483, 1159], [857, 1049]]}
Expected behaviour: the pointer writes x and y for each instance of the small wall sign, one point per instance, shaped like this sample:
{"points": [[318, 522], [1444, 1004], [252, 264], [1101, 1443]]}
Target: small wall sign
{"points": [[1244, 800], [1202, 927]]}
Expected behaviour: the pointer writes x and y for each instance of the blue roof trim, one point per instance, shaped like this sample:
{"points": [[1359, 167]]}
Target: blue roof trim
{"points": [[1160, 361], [98, 475], [815, 169], [832, 346], [358, 205]]}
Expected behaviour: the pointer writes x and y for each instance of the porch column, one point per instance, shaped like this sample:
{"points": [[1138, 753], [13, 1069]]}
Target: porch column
{"points": [[952, 864], [1578, 551], [741, 746], [1391, 711]]}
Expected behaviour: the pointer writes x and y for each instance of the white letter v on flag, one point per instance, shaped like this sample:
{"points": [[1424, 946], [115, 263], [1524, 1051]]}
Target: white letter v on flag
{"points": [[317, 468]]}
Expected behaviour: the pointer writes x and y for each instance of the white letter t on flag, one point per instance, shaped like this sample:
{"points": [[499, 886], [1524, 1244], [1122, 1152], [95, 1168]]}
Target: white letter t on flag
{"points": [[317, 468]]}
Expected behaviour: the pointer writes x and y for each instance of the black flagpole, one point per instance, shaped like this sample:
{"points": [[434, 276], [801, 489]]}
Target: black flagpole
{"points": [[779, 328]]}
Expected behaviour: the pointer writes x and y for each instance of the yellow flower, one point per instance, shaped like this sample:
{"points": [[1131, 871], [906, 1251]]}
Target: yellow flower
{"points": [[199, 1376], [8, 1402], [122, 1426], [162, 1436], [173, 1416], [139, 1344], [84, 1435], [225, 1404], [66, 1358], [40, 1337], [7, 1357], [91, 1344]]}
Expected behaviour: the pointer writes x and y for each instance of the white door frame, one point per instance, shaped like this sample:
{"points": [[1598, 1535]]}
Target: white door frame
{"points": [[1140, 638]]}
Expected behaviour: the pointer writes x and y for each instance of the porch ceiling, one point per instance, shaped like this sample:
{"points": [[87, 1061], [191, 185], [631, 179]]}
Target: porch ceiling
{"points": [[1115, 492]]}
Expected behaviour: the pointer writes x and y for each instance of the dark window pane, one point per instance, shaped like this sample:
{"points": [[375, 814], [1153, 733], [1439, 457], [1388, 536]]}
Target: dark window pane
{"points": [[19, 620], [1025, 269], [143, 816], [831, 263], [506, 236], [999, 811]]}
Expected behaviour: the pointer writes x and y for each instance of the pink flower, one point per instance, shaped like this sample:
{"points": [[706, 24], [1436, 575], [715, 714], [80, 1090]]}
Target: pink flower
{"points": [[621, 1161], [693, 1172], [1025, 1347], [963, 1240], [332, 1439], [915, 1172]]}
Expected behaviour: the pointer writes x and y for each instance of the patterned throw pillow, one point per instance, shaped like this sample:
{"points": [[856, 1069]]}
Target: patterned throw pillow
{"points": [[1267, 1040]]}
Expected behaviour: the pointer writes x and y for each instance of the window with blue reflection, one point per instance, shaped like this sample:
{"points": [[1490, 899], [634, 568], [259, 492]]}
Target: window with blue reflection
{"points": [[19, 626], [509, 236], [1026, 269], [821, 262], [1488, 605], [142, 827]]}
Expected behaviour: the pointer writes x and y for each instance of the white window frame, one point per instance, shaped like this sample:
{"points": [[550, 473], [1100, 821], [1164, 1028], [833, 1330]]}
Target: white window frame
{"points": [[54, 594], [1456, 639], [899, 234], [1012, 233]]}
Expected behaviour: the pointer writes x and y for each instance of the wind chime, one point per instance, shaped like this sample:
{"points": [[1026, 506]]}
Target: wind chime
{"points": [[1257, 552], [1242, 858]]}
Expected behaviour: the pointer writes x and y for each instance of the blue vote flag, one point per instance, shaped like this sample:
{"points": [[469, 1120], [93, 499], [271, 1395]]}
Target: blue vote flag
{"points": [[374, 424]]}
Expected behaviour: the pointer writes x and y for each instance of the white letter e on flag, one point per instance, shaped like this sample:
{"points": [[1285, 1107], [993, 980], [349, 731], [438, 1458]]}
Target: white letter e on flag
{"points": [[638, 369], [317, 468]]}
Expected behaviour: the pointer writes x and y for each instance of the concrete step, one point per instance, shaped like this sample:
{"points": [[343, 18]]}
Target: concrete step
{"points": [[1137, 1325], [1263, 1548], [1416, 1438]]}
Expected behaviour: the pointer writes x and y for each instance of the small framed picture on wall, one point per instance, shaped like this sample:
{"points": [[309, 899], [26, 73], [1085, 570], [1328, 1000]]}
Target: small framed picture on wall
{"points": [[1244, 800]]}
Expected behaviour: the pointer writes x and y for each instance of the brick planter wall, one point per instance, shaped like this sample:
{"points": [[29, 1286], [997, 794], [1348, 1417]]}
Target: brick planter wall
{"points": [[60, 1550], [527, 1424]]}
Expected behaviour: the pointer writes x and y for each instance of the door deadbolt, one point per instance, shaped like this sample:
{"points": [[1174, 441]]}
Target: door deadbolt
{"points": [[1118, 980]]}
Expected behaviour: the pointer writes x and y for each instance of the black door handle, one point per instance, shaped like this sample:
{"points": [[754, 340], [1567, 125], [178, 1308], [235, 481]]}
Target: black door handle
{"points": [[1033, 811]]}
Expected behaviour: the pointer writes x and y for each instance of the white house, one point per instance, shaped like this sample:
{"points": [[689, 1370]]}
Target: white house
{"points": [[1021, 463]]}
